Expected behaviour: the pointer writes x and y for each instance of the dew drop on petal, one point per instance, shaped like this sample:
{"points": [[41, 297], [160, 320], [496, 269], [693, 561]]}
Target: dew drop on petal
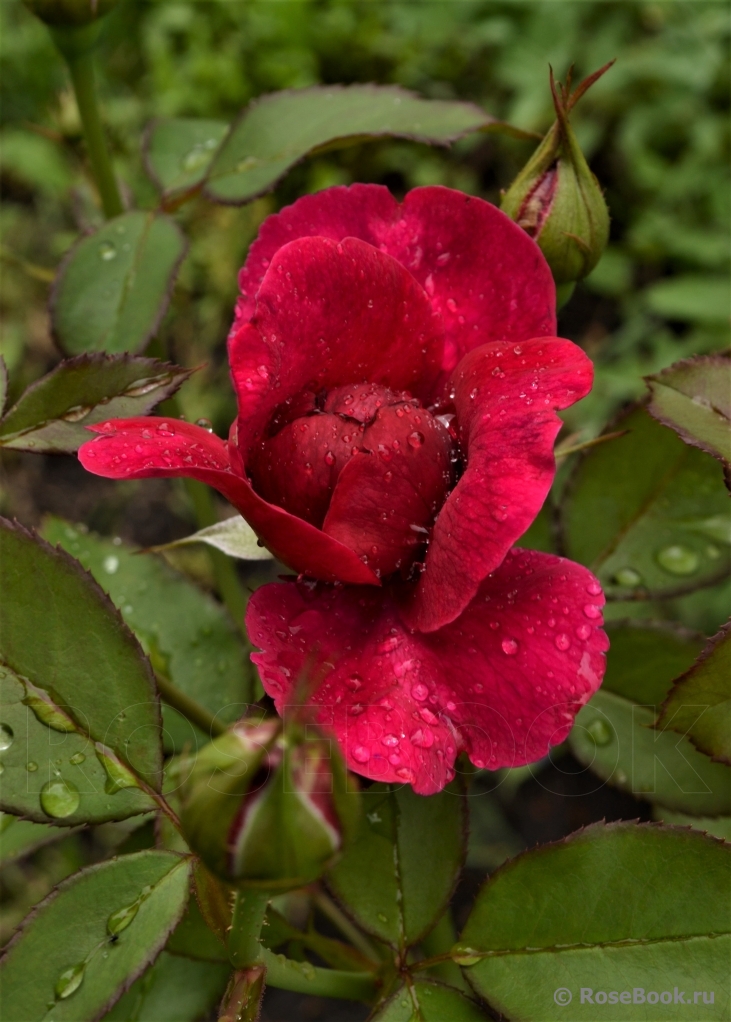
{"points": [[419, 691], [361, 754], [509, 646], [354, 682], [583, 631], [592, 611], [562, 641], [390, 741], [416, 439], [594, 589]]}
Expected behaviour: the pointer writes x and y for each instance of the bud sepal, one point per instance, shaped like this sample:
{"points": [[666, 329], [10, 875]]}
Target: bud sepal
{"points": [[557, 200]]}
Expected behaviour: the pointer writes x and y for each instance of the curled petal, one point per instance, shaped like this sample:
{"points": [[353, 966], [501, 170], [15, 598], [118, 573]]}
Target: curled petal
{"points": [[503, 682], [386, 497], [330, 314], [148, 447], [505, 397], [482, 272]]}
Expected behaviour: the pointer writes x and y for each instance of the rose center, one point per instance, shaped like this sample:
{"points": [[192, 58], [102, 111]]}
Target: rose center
{"points": [[397, 453]]}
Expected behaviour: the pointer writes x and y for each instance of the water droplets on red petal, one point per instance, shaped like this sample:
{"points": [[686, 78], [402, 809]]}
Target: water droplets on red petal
{"points": [[361, 754], [591, 610], [419, 691], [562, 641], [594, 589], [509, 647]]}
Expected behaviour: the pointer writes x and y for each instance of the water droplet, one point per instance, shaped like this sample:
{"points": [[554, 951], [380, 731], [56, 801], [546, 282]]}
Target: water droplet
{"points": [[329, 458], [416, 439], [509, 646], [628, 577], [422, 738], [77, 759], [592, 611], [594, 589], [583, 631], [356, 709], [165, 429], [121, 919], [205, 424], [354, 682], [59, 799], [600, 731], [713, 552], [419, 691], [562, 641], [390, 741], [31, 766], [110, 564], [70, 980], [382, 917], [6, 737], [107, 252], [45, 711], [119, 776], [677, 559], [361, 754]]}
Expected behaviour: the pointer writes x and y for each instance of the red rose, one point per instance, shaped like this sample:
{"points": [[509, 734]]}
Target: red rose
{"points": [[397, 379]]}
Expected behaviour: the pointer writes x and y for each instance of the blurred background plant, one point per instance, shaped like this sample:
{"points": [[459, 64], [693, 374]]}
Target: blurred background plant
{"points": [[655, 130]]}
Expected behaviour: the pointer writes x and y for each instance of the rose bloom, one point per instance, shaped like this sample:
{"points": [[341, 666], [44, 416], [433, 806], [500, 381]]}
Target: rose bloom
{"points": [[397, 377]]}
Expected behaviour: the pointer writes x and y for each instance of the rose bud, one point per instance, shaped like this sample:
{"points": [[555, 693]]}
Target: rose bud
{"points": [[70, 13], [268, 809], [557, 200]]}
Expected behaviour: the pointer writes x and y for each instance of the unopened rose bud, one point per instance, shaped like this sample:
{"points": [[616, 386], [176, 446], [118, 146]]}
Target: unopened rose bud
{"points": [[557, 199], [70, 13], [266, 809]]}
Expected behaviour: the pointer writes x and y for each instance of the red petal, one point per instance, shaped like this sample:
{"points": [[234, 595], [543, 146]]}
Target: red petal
{"points": [[385, 501], [151, 447], [504, 681], [505, 396], [483, 273], [330, 314]]}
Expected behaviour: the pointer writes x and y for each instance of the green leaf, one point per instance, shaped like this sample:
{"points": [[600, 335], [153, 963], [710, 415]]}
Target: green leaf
{"points": [[52, 415], [187, 634], [699, 703], [178, 151], [114, 286], [277, 131], [172, 990], [716, 826], [612, 908], [693, 397], [396, 877], [429, 1002], [233, 536], [56, 776], [90, 938], [691, 298], [22, 837], [82, 669], [3, 385], [614, 734], [194, 939], [647, 513]]}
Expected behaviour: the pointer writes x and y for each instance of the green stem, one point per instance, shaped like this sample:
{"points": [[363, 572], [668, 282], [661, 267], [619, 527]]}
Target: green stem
{"points": [[441, 940], [81, 66], [303, 978], [351, 932], [190, 709], [244, 947]]}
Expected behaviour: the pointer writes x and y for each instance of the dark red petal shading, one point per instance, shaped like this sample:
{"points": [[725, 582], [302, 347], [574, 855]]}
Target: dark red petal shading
{"points": [[146, 447], [505, 396], [299, 466], [504, 681], [385, 501], [330, 314], [482, 272]]}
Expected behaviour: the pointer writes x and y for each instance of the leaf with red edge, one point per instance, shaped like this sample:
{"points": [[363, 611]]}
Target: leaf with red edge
{"points": [[426, 1001], [52, 415], [693, 397], [178, 151], [699, 703], [172, 990], [610, 908], [114, 286], [277, 131], [67, 938]]}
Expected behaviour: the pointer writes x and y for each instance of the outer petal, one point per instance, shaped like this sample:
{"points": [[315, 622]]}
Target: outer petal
{"points": [[504, 681], [329, 314], [505, 396], [145, 447], [482, 272]]}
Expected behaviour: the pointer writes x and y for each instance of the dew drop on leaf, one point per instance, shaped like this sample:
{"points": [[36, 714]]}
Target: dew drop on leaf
{"points": [[31, 767], [107, 252], [677, 559], [69, 981], [110, 564], [77, 759], [628, 577], [600, 731], [121, 919], [6, 737], [59, 799]]}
